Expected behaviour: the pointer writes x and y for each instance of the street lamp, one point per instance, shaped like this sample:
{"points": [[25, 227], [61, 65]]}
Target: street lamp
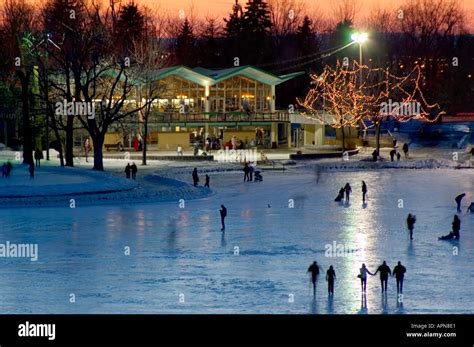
{"points": [[359, 38]]}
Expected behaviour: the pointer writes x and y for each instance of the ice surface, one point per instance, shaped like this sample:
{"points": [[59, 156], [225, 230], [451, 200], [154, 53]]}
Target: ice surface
{"points": [[181, 251]]}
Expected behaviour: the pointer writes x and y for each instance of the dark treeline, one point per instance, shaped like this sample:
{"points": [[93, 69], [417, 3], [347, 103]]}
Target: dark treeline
{"points": [[68, 49]]}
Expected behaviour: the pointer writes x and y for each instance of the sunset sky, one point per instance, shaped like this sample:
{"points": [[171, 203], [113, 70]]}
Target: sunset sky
{"points": [[223, 7]]}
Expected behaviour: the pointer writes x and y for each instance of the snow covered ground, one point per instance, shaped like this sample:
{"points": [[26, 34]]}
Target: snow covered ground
{"points": [[180, 262]]}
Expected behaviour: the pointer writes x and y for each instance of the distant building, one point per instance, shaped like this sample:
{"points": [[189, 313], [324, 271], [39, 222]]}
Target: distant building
{"points": [[198, 103]]}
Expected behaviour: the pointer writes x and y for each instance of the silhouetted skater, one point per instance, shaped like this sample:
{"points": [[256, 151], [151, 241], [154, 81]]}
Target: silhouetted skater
{"points": [[223, 212], [128, 169], [398, 156], [384, 272], [134, 171], [405, 149], [348, 191], [399, 273], [251, 170], [38, 156], [31, 169], [375, 155], [411, 220], [363, 271], [330, 277], [195, 177], [206, 184], [364, 191], [340, 195], [314, 269], [392, 154], [246, 172], [471, 208], [453, 235], [458, 200]]}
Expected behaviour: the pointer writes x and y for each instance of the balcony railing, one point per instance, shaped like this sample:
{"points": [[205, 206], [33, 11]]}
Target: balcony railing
{"points": [[218, 117]]}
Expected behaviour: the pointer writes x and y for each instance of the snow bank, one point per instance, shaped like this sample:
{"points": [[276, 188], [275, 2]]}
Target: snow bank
{"points": [[370, 165], [57, 181]]}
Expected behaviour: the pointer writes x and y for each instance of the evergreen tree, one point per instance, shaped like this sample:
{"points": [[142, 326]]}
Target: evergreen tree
{"points": [[256, 32], [130, 28], [185, 45]]}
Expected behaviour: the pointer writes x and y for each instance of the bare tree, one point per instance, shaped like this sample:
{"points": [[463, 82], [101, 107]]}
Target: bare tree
{"points": [[342, 99]]}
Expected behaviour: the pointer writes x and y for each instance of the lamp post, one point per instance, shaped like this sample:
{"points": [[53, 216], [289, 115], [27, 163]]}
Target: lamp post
{"points": [[360, 38]]}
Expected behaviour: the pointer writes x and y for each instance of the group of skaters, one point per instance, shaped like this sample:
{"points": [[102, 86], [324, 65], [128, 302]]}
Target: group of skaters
{"points": [[346, 192], [131, 170], [398, 272], [195, 177], [394, 152], [250, 172], [456, 223]]}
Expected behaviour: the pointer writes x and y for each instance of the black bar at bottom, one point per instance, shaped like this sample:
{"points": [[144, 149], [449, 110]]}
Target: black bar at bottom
{"points": [[452, 330]]}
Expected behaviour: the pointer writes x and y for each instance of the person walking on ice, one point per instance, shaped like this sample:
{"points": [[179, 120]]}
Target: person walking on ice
{"points": [[134, 171], [458, 200], [405, 149], [348, 190], [330, 277], [246, 172], [384, 272], [314, 270], [411, 220], [206, 183], [195, 177], [128, 169], [363, 277], [399, 273], [364, 191], [223, 212]]}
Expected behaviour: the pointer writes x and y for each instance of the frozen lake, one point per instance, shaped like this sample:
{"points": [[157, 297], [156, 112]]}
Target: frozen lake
{"points": [[180, 254]]}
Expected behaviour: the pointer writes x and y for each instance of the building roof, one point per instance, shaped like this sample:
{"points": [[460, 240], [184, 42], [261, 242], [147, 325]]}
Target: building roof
{"points": [[203, 76]]}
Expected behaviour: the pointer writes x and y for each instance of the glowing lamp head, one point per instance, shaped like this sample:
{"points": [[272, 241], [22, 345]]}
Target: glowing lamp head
{"points": [[359, 37]]}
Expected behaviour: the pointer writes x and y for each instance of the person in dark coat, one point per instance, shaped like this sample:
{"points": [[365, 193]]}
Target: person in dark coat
{"points": [[314, 269], [340, 196], [195, 177], [364, 191], [392, 154], [398, 156], [128, 169], [348, 190], [399, 273], [405, 149], [31, 169], [251, 170], [458, 200], [223, 212], [375, 155], [246, 172], [38, 156], [384, 272], [330, 277], [411, 220], [206, 184], [134, 171]]}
